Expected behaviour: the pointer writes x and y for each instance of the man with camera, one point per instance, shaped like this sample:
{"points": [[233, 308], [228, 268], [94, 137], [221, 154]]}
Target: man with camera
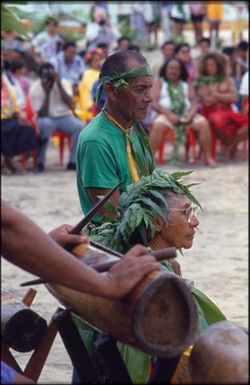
{"points": [[52, 100]]}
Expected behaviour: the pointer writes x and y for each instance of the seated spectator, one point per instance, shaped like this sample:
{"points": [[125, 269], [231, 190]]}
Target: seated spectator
{"points": [[103, 51], [217, 93], [99, 30], [19, 71], [204, 45], [122, 43], [11, 45], [17, 136], [167, 50], [52, 100], [93, 61], [14, 83], [234, 68], [68, 64], [98, 105], [244, 92], [48, 43], [175, 102], [242, 57], [183, 53]]}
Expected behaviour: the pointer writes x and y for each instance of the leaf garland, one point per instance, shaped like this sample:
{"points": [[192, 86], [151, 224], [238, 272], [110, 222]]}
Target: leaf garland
{"points": [[178, 106], [200, 80], [139, 205]]}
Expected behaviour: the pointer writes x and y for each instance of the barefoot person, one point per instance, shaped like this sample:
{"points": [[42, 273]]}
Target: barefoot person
{"points": [[217, 94], [175, 103]]}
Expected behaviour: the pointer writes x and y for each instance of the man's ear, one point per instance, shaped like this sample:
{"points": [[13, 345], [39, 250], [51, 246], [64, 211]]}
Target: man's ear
{"points": [[159, 223], [110, 89]]}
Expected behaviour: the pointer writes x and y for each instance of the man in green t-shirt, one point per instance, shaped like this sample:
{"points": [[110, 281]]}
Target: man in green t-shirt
{"points": [[114, 146]]}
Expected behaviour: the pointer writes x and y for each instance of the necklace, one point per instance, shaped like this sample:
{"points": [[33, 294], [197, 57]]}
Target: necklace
{"points": [[131, 161], [113, 120]]}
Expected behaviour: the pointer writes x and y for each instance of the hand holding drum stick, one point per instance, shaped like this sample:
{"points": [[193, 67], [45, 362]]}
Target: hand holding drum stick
{"points": [[160, 255]]}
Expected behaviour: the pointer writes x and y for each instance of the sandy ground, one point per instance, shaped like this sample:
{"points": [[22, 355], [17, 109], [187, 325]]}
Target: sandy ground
{"points": [[217, 263]]}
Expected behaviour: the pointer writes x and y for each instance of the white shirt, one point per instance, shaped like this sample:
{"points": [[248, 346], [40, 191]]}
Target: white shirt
{"points": [[47, 45], [165, 101], [244, 85], [57, 108]]}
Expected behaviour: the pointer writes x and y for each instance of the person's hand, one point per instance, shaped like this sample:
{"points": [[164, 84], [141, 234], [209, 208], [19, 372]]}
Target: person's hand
{"points": [[187, 118], [61, 235], [129, 271], [174, 119], [22, 118], [47, 85]]}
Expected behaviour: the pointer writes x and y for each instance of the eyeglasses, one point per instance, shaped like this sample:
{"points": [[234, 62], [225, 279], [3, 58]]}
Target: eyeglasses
{"points": [[189, 212]]}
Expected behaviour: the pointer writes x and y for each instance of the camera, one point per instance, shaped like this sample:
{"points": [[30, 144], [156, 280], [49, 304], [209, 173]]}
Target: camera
{"points": [[46, 74]]}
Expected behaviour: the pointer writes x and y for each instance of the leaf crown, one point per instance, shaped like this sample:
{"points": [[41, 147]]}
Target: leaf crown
{"points": [[139, 205]]}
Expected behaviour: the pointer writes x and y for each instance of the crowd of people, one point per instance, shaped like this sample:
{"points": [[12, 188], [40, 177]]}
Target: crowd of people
{"points": [[187, 93]]}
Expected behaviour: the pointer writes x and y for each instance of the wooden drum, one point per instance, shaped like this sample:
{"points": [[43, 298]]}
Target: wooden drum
{"points": [[159, 316]]}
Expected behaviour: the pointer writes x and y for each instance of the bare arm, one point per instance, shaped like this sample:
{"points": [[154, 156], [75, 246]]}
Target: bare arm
{"points": [[47, 85], [205, 97], [230, 95], [29, 247], [65, 97], [193, 100]]}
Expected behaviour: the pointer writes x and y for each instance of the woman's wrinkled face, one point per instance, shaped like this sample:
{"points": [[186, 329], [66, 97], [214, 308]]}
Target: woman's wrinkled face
{"points": [[211, 67], [179, 231], [173, 71]]}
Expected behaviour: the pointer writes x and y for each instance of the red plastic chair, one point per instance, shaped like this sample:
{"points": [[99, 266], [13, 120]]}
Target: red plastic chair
{"points": [[169, 136], [62, 137]]}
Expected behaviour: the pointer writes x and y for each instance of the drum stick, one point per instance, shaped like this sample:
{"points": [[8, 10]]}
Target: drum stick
{"points": [[159, 255]]}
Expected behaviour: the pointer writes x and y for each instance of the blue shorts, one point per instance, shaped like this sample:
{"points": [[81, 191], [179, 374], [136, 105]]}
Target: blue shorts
{"points": [[8, 374]]}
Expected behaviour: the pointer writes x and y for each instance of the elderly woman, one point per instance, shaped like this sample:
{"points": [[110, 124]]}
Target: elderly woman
{"points": [[175, 102], [217, 94], [158, 211]]}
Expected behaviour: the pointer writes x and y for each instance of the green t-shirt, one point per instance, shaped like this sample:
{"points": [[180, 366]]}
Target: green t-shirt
{"points": [[102, 157]]}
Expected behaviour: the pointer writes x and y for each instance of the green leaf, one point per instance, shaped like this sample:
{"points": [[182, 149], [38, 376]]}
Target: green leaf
{"points": [[154, 207], [211, 312]]}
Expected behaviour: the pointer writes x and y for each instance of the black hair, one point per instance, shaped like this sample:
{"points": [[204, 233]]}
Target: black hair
{"points": [[68, 44], [44, 66], [134, 47], [117, 62], [228, 51], [183, 73], [102, 45], [6, 65], [16, 65], [178, 47], [205, 40], [243, 45], [123, 38], [167, 42], [51, 20]]}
